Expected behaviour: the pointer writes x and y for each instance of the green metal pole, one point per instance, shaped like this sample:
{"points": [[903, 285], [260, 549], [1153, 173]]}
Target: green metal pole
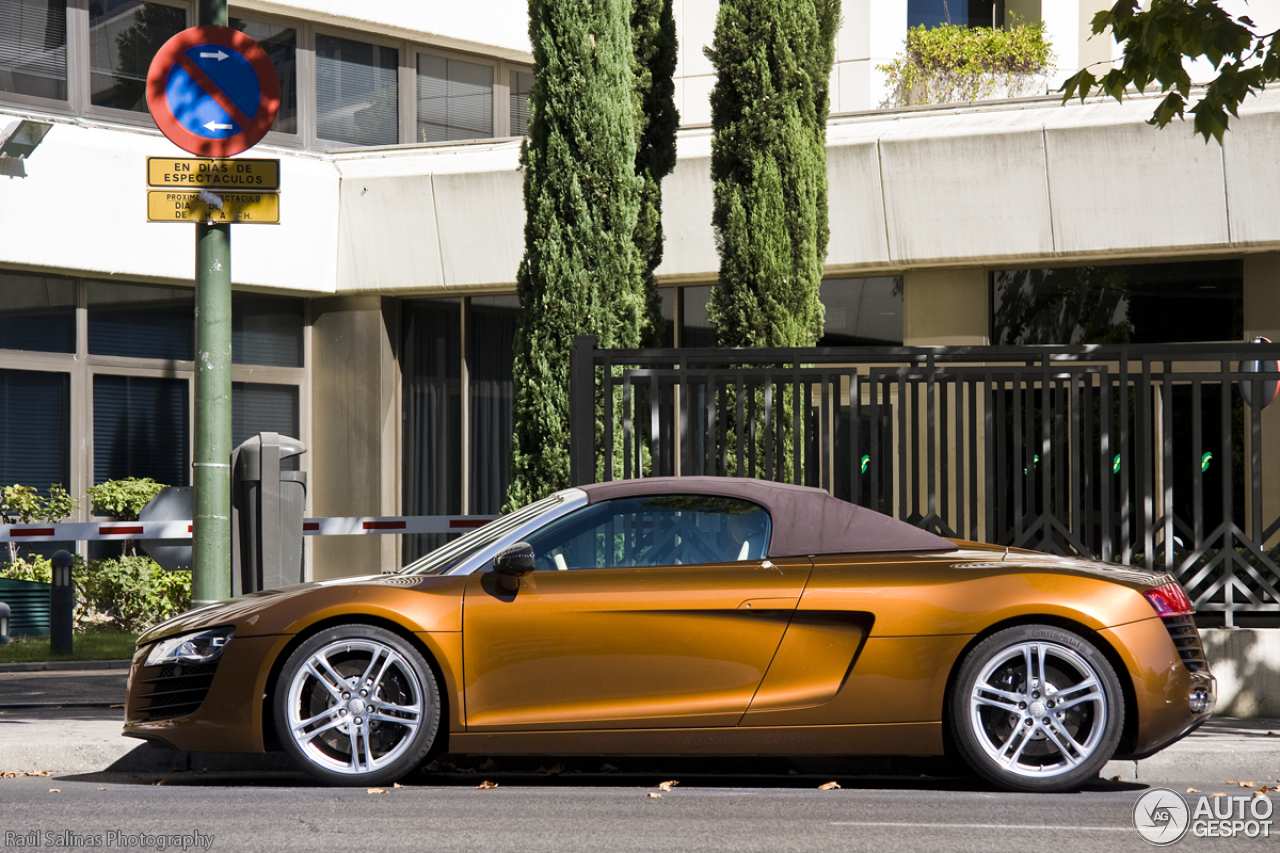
{"points": [[211, 526], [211, 536]]}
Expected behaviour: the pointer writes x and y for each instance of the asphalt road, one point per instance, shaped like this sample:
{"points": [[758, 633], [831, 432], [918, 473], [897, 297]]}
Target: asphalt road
{"points": [[35, 689], [283, 812]]}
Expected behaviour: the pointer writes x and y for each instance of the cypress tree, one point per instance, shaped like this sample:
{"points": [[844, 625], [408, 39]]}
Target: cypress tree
{"points": [[581, 272], [768, 163], [653, 30]]}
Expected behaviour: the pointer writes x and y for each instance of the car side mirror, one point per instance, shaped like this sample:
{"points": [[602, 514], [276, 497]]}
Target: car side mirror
{"points": [[513, 563]]}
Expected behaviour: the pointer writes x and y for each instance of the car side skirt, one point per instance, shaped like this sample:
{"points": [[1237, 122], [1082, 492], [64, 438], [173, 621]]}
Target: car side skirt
{"points": [[877, 739]]}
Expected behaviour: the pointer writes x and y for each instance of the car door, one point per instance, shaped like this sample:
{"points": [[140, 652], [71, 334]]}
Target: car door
{"points": [[644, 612]]}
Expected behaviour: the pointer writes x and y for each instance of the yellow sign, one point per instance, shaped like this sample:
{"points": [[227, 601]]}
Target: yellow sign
{"points": [[213, 206], [191, 172]]}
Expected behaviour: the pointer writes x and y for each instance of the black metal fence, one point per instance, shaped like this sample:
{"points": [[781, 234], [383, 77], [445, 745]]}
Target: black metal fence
{"points": [[1147, 455]]}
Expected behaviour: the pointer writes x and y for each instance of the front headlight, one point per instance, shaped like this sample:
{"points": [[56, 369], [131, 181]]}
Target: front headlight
{"points": [[196, 647]]}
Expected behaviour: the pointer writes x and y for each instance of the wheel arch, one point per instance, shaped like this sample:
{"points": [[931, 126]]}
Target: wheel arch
{"points": [[270, 737], [1129, 728]]}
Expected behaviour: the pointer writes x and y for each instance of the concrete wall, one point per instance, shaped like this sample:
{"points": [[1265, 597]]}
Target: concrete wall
{"points": [[79, 205], [502, 30], [946, 308], [1246, 662], [355, 429]]}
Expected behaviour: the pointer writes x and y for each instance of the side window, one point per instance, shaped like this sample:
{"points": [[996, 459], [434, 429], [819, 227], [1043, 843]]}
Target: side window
{"points": [[659, 530]]}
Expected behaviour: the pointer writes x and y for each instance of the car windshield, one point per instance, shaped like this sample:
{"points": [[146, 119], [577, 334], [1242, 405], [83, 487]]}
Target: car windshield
{"points": [[447, 556]]}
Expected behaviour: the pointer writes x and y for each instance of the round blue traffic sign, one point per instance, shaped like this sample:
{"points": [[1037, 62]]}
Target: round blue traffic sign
{"points": [[213, 91]]}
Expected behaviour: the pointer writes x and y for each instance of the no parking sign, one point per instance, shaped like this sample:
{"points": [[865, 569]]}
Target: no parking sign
{"points": [[213, 91]]}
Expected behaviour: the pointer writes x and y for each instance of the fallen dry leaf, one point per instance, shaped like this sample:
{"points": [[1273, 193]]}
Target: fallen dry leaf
{"points": [[1273, 734], [486, 785], [608, 768], [1262, 792], [376, 791], [830, 786], [1193, 790], [1219, 794], [556, 768], [654, 795], [667, 786], [1246, 785], [1115, 779], [1231, 781], [397, 785], [55, 790], [115, 706], [159, 781]]}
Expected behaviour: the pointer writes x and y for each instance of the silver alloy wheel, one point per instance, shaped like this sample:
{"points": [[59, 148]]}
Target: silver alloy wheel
{"points": [[1038, 709], [354, 706]]}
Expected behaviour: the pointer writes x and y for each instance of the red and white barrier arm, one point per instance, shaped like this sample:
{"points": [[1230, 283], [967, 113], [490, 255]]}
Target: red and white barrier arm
{"points": [[356, 526]]}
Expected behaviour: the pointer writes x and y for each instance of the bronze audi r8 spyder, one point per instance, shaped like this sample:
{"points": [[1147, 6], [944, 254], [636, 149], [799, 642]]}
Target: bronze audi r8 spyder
{"points": [[690, 616]]}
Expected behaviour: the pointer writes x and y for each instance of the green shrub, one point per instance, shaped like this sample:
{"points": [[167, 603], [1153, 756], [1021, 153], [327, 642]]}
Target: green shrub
{"points": [[950, 64], [125, 593], [124, 499], [132, 593]]}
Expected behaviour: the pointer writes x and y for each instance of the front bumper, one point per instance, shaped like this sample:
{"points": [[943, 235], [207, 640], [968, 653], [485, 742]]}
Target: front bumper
{"points": [[217, 708]]}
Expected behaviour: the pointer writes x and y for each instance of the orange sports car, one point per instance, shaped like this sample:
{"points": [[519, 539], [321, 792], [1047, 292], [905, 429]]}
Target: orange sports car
{"points": [[690, 616]]}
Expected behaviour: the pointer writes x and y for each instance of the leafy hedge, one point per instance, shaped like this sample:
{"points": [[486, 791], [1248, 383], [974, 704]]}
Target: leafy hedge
{"points": [[128, 593], [950, 64]]}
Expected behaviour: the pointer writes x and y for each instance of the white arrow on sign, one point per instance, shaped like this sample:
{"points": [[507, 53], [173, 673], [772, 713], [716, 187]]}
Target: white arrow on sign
{"points": [[218, 56], [213, 125]]}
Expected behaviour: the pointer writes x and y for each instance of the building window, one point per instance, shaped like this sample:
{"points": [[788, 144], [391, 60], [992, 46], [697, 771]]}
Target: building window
{"points": [[455, 99], [695, 326], [141, 322], [33, 48], [491, 338], [431, 370], [961, 13], [37, 313], [356, 92], [266, 330], [124, 36], [521, 85], [140, 429], [1140, 304], [281, 44], [35, 418], [258, 407], [861, 311]]}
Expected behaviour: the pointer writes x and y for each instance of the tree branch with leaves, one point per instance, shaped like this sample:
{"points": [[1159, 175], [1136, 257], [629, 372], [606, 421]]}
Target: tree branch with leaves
{"points": [[1157, 43]]}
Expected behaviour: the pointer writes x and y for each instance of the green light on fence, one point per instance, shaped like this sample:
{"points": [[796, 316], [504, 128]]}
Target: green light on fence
{"points": [[1115, 465], [1204, 462], [866, 460]]}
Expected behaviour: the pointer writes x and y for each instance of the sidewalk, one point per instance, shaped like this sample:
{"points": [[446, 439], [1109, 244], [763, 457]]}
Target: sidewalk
{"points": [[69, 722]]}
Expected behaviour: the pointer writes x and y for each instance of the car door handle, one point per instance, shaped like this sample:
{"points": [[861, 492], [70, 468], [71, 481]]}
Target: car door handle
{"points": [[767, 605]]}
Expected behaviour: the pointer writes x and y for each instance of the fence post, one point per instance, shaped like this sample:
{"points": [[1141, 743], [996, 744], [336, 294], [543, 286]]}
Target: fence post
{"points": [[582, 420]]}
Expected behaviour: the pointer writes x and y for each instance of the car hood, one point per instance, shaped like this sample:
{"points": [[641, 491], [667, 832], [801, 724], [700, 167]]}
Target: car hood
{"points": [[418, 602]]}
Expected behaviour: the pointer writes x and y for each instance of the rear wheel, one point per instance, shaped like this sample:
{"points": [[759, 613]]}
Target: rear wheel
{"points": [[1036, 708], [357, 705]]}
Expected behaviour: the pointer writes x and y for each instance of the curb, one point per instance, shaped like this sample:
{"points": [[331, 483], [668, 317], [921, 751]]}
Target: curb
{"points": [[65, 666]]}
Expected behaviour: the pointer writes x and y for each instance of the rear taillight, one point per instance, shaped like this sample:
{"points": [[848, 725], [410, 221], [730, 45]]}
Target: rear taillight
{"points": [[1169, 600]]}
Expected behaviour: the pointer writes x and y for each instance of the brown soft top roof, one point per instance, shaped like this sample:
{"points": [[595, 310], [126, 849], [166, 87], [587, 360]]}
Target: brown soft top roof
{"points": [[805, 520]]}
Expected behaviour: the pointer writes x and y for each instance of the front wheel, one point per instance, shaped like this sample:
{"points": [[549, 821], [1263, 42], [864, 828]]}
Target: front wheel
{"points": [[357, 705], [1036, 708]]}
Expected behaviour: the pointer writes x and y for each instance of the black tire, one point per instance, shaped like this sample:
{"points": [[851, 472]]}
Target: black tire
{"points": [[1036, 734], [323, 718]]}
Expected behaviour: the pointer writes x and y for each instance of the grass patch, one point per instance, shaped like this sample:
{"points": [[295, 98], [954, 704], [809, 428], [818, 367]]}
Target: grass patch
{"points": [[94, 645]]}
